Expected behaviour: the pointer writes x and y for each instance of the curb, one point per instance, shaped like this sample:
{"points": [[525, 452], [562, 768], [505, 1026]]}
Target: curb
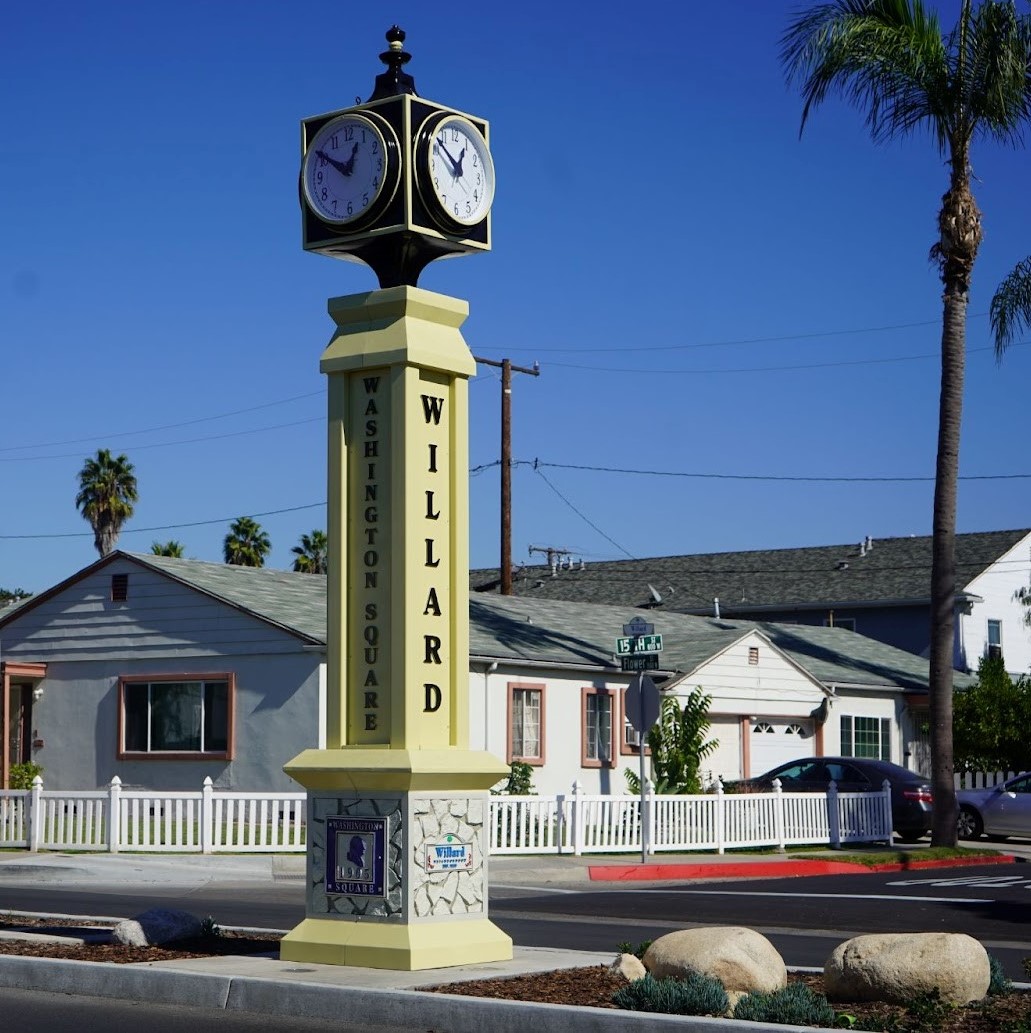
{"points": [[399, 1009], [767, 870]]}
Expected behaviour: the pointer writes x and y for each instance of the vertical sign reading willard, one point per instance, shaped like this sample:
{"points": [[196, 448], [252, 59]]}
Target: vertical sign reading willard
{"points": [[430, 566], [368, 558]]}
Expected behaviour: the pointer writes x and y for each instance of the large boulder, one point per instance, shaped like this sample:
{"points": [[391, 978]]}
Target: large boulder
{"points": [[897, 967], [741, 959], [157, 926]]}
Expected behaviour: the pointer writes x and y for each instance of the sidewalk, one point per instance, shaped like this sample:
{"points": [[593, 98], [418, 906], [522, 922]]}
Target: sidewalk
{"points": [[380, 997]]}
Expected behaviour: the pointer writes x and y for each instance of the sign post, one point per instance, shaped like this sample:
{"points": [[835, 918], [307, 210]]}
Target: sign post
{"points": [[642, 699]]}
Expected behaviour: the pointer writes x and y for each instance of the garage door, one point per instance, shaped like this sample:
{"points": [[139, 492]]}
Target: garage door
{"points": [[775, 740]]}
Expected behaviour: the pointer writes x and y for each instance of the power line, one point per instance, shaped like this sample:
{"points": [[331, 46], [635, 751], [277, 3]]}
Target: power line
{"points": [[537, 463], [584, 518], [762, 340], [166, 426], [767, 369]]}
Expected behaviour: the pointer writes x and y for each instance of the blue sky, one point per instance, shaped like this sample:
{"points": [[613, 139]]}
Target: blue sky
{"points": [[706, 293]]}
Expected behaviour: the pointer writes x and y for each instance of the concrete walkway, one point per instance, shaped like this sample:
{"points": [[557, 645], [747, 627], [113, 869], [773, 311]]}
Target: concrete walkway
{"points": [[379, 997]]}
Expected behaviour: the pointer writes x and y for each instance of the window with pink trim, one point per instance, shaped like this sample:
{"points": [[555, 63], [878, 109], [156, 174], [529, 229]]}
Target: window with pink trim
{"points": [[597, 728], [526, 723]]}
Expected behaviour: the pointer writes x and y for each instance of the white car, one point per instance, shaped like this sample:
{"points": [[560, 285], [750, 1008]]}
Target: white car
{"points": [[1004, 810]]}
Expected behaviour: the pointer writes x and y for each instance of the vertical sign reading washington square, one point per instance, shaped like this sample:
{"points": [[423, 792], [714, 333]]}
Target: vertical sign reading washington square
{"points": [[399, 627]]}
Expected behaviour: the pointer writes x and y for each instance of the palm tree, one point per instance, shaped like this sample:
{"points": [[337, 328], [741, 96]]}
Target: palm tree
{"points": [[891, 60], [246, 544], [311, 553], [170, 548], [107, 491]]}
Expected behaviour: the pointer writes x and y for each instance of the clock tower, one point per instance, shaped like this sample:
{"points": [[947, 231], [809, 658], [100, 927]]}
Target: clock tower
{"points": [[398, 181], [398, 808]]}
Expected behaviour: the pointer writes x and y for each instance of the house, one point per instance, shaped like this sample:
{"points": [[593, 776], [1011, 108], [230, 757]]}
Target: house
{"points": [[166, 671], [879, 588]]}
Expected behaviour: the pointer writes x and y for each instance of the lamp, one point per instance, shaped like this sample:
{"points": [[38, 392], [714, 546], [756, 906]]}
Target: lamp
{"points": [[37, 693]]}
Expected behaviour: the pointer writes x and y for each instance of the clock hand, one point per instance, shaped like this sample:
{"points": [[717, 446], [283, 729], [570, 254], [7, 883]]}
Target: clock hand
{"points": [[343, 167], [456, 166]]}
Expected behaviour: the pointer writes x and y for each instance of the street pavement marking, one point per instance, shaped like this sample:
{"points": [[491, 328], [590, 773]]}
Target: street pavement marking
{"points": [[977, 881]]}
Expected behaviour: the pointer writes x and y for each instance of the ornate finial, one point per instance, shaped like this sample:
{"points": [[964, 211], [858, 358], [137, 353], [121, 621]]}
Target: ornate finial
{"points": [[395, 80]]}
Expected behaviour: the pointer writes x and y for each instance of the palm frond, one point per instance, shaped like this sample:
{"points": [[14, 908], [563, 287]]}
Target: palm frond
{"points": [[1010, 310]]}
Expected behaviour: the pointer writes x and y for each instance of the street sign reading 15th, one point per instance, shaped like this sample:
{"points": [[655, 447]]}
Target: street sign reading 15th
{"points": [[638, 644]]}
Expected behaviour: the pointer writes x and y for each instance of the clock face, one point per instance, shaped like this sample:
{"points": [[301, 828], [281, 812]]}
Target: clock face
{"points": [[347, 169], [458, 178]]}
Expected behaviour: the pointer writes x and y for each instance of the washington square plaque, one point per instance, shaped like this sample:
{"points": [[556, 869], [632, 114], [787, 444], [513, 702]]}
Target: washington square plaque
{"points": [[355, 851]]}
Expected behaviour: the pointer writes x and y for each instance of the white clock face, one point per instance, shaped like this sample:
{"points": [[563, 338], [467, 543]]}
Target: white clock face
{"points": [[345, 169], [461, 171]]}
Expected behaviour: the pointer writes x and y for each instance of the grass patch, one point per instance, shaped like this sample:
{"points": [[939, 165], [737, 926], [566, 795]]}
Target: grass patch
{"points": [[869, 858]]}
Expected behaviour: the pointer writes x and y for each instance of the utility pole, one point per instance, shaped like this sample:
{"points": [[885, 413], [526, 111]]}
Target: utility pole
{"points": [[507, 369]]}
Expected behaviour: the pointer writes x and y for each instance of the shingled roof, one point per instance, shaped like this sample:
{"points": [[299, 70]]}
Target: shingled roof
{"points": [[547, 632], [880, 572]]}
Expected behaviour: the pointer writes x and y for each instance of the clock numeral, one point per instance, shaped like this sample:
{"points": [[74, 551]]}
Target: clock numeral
{"points": [[455, 138], [348, 134], [477, 178], [456, 207], [318, 176], [365, 200], [325, 194], [468, 207], [375, 146], [334, 143], [476, 196], [379, 165], [350, 208], [476, 161]]}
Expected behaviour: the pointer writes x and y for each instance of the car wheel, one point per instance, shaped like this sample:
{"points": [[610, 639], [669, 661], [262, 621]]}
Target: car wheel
{"points": [[969, 824]]}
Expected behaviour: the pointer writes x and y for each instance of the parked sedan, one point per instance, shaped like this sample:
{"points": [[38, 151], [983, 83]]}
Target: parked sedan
{"points": [[1004, 810], [911, 798]]}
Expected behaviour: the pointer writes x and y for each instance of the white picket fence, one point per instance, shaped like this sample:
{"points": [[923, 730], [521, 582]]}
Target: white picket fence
{"points": [[982, 779], [579, 823], [117, 819]]}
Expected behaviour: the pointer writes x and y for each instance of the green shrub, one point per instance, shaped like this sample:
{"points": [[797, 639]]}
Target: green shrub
{"points": [[626, 947], [695, 995], [999, 982], [21, 775], [795, 1005]]}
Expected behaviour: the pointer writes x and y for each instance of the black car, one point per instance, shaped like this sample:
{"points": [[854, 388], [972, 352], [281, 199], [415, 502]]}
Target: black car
{"points": [[911, 798]]}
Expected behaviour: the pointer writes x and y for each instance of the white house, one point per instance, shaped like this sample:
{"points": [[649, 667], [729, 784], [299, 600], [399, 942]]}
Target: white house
{"points": [[165, 671]]}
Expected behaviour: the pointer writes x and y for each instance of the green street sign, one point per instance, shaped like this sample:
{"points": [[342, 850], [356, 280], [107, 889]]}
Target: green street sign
{"points": [[638, 644], [640, 662]]}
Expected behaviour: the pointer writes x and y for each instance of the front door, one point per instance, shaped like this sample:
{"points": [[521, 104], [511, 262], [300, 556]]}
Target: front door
{"points": [[20, 726]]}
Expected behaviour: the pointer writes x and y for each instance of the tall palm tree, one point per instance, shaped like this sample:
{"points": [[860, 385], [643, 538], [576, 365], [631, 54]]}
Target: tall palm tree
{"points": [[107, 491], [246, 544], [891, 60], [170, 548], [311, 553]]}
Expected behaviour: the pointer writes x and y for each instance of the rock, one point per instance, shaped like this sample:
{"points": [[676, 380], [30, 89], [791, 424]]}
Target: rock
{"points": [[741, 959], [897, 967], [629, 967], [157, 926]]}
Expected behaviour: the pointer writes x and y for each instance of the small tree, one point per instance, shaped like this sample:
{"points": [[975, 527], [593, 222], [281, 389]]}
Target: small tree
{"points": [[170, 548], [246, 544], [678, 746], [990, 721]]}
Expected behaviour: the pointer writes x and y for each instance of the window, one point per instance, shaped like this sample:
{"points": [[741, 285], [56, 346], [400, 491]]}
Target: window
{"points": [[597, 728], [179, 715], [526, 723], [753, 655], [994, 650], [866, 737], [119, 588]]}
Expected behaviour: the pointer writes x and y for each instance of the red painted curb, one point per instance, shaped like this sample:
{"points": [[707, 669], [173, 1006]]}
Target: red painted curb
{"points": [[770, 869]]}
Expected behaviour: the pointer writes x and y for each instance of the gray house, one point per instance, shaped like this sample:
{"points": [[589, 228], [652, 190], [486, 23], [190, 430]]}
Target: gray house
{"points": [[166, 671], [879, 588]]}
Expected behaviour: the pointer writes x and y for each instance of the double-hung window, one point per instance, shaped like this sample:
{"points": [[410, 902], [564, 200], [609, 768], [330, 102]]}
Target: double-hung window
{"points": [[994, 650], [865, 736], [526, 724], [181, 715]]}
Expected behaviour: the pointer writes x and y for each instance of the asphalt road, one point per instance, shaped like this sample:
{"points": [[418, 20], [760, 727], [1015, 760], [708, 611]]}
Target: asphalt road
{"points": [[805, 918]]}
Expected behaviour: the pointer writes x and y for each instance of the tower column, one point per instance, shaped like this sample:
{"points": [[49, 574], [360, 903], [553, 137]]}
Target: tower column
{"points": [[397, 803]]}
